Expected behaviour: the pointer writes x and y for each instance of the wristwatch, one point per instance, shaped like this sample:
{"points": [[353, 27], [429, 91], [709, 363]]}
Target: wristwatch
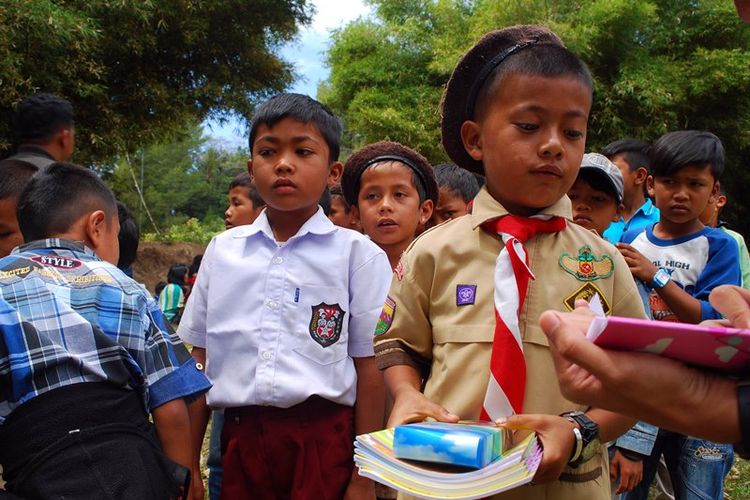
{"points": [[587, 438], [661, 278]]}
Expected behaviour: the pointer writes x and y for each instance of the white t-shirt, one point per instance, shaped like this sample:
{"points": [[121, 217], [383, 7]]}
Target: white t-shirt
{"points": [[282, 322]]}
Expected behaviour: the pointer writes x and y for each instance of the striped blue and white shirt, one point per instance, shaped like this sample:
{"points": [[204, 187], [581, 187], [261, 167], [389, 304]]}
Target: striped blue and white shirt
{"points": [[67, 317]]}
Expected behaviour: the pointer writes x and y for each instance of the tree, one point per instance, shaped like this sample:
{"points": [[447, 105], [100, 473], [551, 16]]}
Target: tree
{"points": [[185, 177], [136, 72], [658, 66]]}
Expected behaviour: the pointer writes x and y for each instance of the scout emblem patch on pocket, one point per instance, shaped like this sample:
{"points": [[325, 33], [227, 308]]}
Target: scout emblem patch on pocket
{"points": [[326, 323], [587, 292], [587, 266]]}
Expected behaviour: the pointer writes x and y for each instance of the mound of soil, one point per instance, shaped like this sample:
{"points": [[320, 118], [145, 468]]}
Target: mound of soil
{"points": [[154, 260]]}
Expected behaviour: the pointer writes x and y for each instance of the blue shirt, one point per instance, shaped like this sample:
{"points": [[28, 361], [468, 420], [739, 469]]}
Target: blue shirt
{"points": [[646, 215], [67, 317]]}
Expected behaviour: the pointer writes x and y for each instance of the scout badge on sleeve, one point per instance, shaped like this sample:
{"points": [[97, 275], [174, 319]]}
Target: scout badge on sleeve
{"points": [[326, 323], [587, 292], [587, 266], [386, 316]]}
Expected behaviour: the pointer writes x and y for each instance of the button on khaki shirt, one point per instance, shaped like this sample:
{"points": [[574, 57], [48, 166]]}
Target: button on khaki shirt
{"points": [[439, 318]]}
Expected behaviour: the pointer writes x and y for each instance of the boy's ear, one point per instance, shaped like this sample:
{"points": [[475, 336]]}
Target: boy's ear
{"points": [[334, 173], [425, 211], [650, 185], [95, 227], [721, 200], [716, 190], [250, 168], [641, 174], [472, 139], [355, 215]]}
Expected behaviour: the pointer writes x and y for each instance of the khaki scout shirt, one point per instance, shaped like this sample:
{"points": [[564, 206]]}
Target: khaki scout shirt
{"points": [[439, 317]]}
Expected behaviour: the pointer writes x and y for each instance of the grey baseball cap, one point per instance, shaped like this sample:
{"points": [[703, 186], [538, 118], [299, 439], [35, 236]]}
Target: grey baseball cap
{"points": [[597, 164]]}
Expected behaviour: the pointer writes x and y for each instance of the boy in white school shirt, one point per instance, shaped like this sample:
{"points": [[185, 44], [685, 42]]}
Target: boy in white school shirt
{"points": [[282, 316]]}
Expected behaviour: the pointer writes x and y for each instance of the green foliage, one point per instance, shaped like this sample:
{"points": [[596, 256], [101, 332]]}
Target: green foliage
{"points": [[658, 66], [191, 231], [181, 179], [137, 71]]}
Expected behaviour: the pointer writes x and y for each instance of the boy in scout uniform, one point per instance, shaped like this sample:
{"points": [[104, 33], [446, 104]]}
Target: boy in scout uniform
{"points": [[460, 335]]}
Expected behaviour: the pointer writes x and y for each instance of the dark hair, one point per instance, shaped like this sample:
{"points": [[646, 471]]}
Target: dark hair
{"points": [[325, 201], [14, 175], [55, 198], [39, 116], [159, 287], [634, 152], [195, 265], [336, 190], [128, 236], [598, 182], [305, 109], [516, 50], [177, 274], [244, 180], [422, 174], [676, 150], [458, 181]]}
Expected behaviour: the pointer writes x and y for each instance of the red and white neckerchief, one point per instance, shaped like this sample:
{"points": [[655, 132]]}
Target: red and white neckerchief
{"points": [[507, 384]]}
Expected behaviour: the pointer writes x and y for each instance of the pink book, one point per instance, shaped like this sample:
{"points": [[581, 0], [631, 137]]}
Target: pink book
{"points": [[725, 349]]}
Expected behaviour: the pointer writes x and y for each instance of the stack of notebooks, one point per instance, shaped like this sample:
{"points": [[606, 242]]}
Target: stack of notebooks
{"points": [[447, 461]]}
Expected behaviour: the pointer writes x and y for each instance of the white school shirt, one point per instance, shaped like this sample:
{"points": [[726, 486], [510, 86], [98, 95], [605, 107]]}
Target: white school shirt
{"points": [[282, 322]]}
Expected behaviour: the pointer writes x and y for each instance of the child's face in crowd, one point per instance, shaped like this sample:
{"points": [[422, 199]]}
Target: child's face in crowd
{"points": [[632, 179], [592, 209], [389, 208], [290, 166], [450, 205], [240, 210], [10, 234], [531, 138], [683, 196], [338, 214]]}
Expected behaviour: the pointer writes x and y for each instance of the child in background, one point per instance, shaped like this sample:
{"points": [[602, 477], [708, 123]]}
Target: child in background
{"points": [[631, 157], [681, 261], [341, 211], [596, 194], [392, 190], [456, 187], [282, 317], [87, 357], [517, 107], [14, 175], [710, 217], [245, 204], [172, 297]]}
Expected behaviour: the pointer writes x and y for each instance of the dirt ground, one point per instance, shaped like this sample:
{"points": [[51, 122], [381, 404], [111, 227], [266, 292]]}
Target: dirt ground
{"points": [[154, 260]]}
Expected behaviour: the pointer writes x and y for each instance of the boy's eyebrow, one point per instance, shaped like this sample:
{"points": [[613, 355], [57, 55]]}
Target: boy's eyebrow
{"points": [[296, 139], [575, 113]]}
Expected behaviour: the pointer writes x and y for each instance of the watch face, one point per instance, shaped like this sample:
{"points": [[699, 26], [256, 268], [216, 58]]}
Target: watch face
{"points": [[661, 278]]}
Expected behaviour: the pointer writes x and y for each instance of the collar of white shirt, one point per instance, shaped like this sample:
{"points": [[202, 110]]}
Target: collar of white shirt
{"points": [[317, 224]]}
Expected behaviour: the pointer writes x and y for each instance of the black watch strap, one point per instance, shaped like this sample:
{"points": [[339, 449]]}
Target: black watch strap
{"points": [[743, 402]]}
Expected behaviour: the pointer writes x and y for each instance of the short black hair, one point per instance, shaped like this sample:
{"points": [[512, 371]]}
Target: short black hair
{"points": [[195, 265], [676, 150], [598, 181], [39, 116], [305, 109], [177, 274], [55, 198], [634, 151], [458, 181], [128, 237], [14, 175], [422, 173], [244, 180]]}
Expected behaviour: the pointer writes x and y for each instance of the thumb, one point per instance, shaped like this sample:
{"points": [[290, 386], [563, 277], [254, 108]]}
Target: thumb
{"points": [[443, 415], [517, 422]]}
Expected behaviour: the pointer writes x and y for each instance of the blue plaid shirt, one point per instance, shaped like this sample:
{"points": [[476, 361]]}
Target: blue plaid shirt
{"points": [[67, 317]]}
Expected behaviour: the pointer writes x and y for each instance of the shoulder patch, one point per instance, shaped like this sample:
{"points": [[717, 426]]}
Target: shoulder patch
{"points": [[586, 292], [386, 316], [586, 266]]}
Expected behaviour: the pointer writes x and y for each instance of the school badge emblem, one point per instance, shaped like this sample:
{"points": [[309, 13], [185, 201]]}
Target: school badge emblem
{"points": [[386, 316], [587, 292], [326, 323], [587, 266]]}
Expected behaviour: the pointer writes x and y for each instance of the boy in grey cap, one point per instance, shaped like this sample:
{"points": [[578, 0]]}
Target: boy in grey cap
{"points": [[596, 195]]}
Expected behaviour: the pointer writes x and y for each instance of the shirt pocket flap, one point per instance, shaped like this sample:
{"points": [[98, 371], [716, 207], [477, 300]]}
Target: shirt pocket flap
{"points": [[445, 334]]}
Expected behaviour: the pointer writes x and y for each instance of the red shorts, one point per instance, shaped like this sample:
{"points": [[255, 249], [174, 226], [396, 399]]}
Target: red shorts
{"points": [[297, 453]]}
